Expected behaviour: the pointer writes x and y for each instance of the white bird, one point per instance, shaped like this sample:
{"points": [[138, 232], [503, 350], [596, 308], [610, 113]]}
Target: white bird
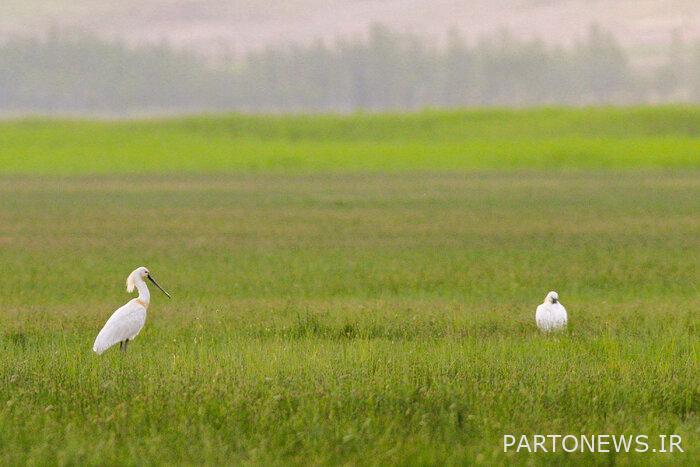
{"points": [[125, 323], [551, 315]]}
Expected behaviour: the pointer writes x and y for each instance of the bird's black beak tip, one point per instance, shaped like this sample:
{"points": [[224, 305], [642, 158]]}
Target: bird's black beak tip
{"points": [[158, 285]]}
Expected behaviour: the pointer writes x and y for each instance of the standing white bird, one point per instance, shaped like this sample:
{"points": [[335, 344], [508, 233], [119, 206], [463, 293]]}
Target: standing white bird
{"points": [[127, 321], [551, 315]]}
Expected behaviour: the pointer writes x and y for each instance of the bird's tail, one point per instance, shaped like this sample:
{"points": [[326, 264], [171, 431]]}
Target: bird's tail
{"points": [[100, 345], [97, 349]]}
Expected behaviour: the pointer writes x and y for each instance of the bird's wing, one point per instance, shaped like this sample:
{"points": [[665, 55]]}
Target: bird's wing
{"points": [[541, 315], [561, 314], [124, 324]]}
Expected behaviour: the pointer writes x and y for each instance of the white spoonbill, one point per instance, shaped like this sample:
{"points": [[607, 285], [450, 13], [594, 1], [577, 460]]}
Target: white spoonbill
{"points": [[127, 321], [551, 315]]}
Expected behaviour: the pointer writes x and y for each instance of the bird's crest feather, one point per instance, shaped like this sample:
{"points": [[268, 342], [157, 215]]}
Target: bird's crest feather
{"points": [[131, 281]]}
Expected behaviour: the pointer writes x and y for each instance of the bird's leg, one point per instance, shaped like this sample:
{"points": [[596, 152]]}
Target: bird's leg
{"points": [[126, 343], [121, 346]]}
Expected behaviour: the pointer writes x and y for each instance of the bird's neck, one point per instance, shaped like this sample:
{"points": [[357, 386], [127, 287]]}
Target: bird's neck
{"points": [[144, 294]]}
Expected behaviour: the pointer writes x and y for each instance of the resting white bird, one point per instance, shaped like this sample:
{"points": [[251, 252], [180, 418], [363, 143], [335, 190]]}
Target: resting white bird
{"points": [[551, 315], [127, 321]]}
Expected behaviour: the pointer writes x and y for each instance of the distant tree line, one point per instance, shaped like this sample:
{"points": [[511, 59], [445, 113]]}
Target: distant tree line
{"points": [[386, 70]]}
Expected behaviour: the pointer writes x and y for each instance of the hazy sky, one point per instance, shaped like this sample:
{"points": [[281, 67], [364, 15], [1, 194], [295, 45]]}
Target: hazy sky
{"points": [[642, 25]]}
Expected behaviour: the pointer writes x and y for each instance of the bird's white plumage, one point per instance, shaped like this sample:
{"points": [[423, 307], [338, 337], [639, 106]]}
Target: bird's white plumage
{"points": [[131, 280], [551, 315], [124, 324]]}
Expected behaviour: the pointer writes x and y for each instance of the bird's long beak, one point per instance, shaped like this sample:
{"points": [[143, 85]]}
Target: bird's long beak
{"points": [[156, 284]]}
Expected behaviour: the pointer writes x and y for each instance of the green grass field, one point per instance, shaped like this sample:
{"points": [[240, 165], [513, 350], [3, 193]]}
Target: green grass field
{"points": [[350, 290], [490, 139]]}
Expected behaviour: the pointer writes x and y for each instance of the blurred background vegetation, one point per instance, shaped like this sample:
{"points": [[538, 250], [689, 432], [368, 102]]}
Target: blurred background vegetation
{"points": [[66, 71]]}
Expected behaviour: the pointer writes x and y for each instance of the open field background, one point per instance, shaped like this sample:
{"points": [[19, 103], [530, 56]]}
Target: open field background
{"points": [[358, 293], [630, 138]]}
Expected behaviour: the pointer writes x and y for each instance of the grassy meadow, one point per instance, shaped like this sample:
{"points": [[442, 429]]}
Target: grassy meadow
{"points": [[541, 139], [350, 289]]}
